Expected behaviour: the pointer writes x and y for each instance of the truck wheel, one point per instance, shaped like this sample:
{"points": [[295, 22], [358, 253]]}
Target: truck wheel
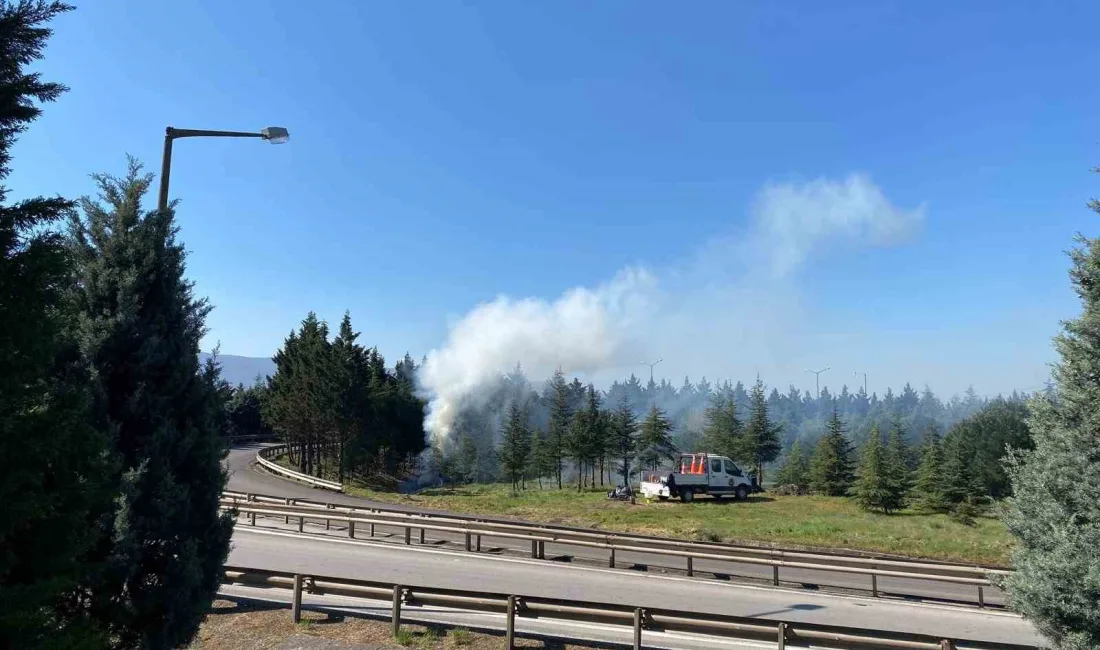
{"points": [[686, 495], [742, 492], [662, 498]]}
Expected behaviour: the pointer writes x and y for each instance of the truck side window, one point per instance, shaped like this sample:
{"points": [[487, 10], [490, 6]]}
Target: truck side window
{"points": [[716, 467], [732, 469]]}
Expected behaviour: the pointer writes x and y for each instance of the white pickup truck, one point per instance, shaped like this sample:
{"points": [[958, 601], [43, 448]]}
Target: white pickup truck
{"points": [[699, 473]]}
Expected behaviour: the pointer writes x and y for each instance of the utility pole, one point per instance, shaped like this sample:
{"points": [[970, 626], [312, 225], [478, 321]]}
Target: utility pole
{"points": [[817, 378], [858, 373], [646, 363]]}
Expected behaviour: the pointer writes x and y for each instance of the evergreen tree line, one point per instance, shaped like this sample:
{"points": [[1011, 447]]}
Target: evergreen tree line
{"points": [[959, 472], [335, 403], [572, 432], [110, 455], [583, 435]]}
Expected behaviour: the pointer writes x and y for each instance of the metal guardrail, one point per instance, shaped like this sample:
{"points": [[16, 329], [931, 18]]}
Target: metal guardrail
{"points": [[289, 473], [253, 505], [640, 619]]}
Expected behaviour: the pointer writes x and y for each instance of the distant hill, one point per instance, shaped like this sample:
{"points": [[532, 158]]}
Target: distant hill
{"points": [[242, 370]]}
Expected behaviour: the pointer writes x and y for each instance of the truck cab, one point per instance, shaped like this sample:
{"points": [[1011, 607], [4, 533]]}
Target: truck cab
{"points": [[699, 473]]}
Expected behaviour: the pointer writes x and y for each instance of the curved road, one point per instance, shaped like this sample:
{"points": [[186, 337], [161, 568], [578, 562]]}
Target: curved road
{"points": [[321, 555]]}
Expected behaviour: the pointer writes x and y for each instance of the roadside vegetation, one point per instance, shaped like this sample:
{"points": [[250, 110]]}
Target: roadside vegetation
{"points": [[786, 521]]}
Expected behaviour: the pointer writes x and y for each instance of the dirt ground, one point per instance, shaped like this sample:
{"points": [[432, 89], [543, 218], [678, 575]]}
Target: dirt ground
{"points": [[232, 626]]}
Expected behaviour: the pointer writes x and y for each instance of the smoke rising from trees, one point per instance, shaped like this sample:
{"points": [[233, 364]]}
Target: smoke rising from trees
{"points": [[734, 304]]}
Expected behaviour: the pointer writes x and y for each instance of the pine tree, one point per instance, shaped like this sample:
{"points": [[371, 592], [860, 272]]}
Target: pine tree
{"points": [[928, 489], [722, 434], [831, 465], [164, 539], [561, 419], [655, 441], [795, 469], [624, 430], [537, 458], [52, 467], [515, 444], [304, 397], [759, 443], [898, 473], [1055, 513], [960, 478], [871, 491], [469, 458], [880, 484]]}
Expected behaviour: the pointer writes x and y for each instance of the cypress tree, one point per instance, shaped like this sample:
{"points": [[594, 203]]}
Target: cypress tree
{"points": [[831, 465], [164, 540], [928, 489], [759, 443], [1055, 511], [52, 462]]}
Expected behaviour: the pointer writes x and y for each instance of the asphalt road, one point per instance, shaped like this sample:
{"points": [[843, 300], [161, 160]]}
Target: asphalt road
{"points": [[244, 477], [412, 566]]}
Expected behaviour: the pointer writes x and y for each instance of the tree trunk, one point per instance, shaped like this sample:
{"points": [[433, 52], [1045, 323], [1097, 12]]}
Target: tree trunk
{"points": [[601, 471]]}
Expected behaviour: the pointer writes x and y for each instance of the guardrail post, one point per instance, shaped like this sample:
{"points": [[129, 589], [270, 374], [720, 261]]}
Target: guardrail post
{"points": [[775, 575], [372, 530], [542, 550], [421, 535], [351, 529], [782, 639], [477, 543], [874, 585], [691, 571], [510, 626], [534, 548], [252, 515], [408, 535], [296, 603], [287, 518], [328, 522], [981, 596], [611, 559], [637, 628], [396, 614], [301, 523], [467, 541]]}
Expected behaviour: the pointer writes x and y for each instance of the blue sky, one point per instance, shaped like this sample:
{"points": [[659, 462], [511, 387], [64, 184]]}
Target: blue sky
{"points": [[444, 153]]}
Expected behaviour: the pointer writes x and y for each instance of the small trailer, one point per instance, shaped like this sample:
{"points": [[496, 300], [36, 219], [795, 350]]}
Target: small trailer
{"points": [[700, 473]]}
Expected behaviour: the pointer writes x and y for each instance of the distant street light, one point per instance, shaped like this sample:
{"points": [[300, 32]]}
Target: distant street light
{"points": [[817, 377], [646, 363], [272, 134], [858, 373]]}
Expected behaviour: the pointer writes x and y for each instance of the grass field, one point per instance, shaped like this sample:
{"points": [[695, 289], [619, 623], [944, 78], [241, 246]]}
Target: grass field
{"points": [[786, 521]]}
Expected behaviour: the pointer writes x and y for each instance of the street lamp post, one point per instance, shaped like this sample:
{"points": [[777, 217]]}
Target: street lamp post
{"points": [[651, 365], [272, 134], [858, 373], [817, 378]]}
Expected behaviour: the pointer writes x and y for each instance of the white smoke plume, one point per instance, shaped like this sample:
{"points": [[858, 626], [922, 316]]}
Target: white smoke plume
{"points": [[736, 290]]}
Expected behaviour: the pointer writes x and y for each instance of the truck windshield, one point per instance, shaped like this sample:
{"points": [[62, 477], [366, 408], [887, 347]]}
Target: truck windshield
{"points": [[732, 469]]}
